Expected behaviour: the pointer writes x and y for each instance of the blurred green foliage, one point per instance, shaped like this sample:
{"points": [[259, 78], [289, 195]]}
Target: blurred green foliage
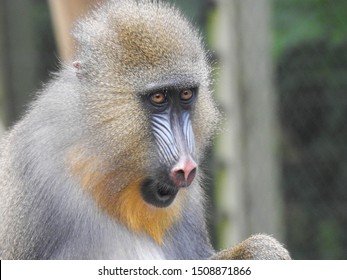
{"points": [[310, 47], [296, 21]]}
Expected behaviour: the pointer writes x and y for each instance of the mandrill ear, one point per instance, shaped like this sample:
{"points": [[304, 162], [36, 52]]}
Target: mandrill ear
{"points": [[256, 247], [77, 66]]}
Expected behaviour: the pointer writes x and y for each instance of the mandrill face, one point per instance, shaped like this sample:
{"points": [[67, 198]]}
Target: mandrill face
{"points": [[145, 83], [170, 108]]}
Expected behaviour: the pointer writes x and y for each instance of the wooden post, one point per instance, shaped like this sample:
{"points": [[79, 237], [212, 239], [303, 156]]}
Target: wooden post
{"points": [[64, 13], [251, 200]]}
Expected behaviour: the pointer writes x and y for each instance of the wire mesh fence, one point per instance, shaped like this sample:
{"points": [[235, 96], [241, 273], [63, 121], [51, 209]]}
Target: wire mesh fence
{"points": [[311, 76]]}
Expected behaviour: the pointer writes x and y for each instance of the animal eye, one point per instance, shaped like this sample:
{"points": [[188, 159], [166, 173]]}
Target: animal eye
{"points": [[158, 98], [186, 95]]}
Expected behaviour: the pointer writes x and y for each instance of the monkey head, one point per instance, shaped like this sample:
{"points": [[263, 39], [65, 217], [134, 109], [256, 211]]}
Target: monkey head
{"points": [[144, 79]]}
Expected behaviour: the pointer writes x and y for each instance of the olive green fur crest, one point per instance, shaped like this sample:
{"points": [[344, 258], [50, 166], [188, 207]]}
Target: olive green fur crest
{"points": [[125, 46], [127, 43]]}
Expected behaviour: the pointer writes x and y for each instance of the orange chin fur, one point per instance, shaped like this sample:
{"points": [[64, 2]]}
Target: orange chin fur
{"points": [[127, 205], [139, 216]]}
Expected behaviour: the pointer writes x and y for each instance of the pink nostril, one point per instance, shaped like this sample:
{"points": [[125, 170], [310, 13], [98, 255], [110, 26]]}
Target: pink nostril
{"points": [[184, 173]]}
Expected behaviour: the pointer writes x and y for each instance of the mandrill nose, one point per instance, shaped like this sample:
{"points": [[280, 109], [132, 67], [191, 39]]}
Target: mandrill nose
{"points": [[183, 173]]}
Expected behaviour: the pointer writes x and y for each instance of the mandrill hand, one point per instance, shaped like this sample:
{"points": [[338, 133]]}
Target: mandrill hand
{"points": [[256, 247]]}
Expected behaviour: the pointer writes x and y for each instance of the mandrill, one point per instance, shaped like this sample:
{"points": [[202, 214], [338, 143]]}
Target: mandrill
{"points": [[105, 163]]}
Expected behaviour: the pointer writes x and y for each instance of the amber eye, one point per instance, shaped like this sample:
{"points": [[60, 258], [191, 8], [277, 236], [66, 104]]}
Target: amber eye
{"points": [[186, 95], [158, 98]]}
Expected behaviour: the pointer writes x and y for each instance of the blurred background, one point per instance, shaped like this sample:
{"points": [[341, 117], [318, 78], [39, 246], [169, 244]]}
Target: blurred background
{"points": [[279, 165]]}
